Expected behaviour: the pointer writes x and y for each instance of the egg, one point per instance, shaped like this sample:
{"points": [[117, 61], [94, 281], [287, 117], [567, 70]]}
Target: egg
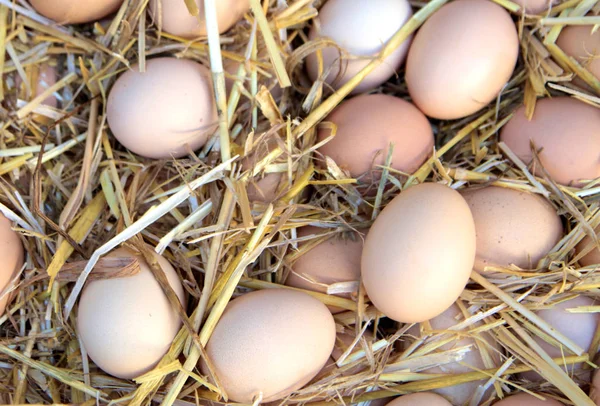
{"points": [[270, 343], [177, 20], [419, 253], [263, 187], [420, 399], [332, 261], [564, 131], [525, 399], [75, 11], [361, 29], [44, 76], [366, 126], [592, 257], [581, 43], [579, 327], [127, 324], [512, 226], [12, 253], [460, 394], [535, 6], [461, 58], [165, 111]]}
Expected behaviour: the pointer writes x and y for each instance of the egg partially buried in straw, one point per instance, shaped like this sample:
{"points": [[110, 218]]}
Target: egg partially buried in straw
{"points": [[565, 132], [44, 76], [582, 43], [461, 58], [513, 227], [75, 11], [366, 127], [419, 253], [361, 29], [525, 399], [420, 399], [174, 17], [11, 250], [270, 343], [333, 260], [127, 324], [165, 111]]}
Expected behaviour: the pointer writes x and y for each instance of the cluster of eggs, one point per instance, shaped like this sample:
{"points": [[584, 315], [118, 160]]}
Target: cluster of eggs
{"points": [[417, 257]]}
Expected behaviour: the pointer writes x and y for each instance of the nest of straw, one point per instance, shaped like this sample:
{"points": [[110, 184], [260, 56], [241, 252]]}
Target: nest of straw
{"points": [[74, 193]]}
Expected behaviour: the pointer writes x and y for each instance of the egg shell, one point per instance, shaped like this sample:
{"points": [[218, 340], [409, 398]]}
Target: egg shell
{"points": [[332, 261], [579, 327], [460, 394], [592, 257], [127, 324], [525, 399], [262, 188], [44, 77], [565, 131], [579, 42], [535, 6], [159, 113], [360, 28], [595, 389], [419, 253], [367, 125], [177, 20], [420, 399], [271, 342], [12, 253], [461, 58], [513, 227], [75, 11]]}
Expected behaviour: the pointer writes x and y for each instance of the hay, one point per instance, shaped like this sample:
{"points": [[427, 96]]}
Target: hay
{"points": [[75, 194]]}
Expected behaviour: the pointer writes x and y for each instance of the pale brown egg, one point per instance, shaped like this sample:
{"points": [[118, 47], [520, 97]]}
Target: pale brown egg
{"points": [[127, 324], [367, 125], [420, 399], [579, 42], [75, 11], [460, 394], [332, 261], [525, 399], [44, 76], [461, 58], [565, 132], [419, 253], [165, 111], [12, 252], [579, 327], [513, 227], [263, 187], [177, 20], [270, 343], [535, 6], [592, 257], [361, 29]]}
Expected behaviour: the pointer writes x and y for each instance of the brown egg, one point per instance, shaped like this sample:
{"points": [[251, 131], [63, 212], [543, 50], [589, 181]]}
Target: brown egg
{"points": [[525, 399], [367, 125], [127, 324], [44, 76], [420, 399], [461, 58], [535, 6], [75, 11], [270, 343], [332, 261], [579, 42], [579, 327], [592, 257], [460, 394], [176, 19], [263, 187], [419, 253], [361, 29], [564, 130], [164, 111], [13, 255], [513, 227]]}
